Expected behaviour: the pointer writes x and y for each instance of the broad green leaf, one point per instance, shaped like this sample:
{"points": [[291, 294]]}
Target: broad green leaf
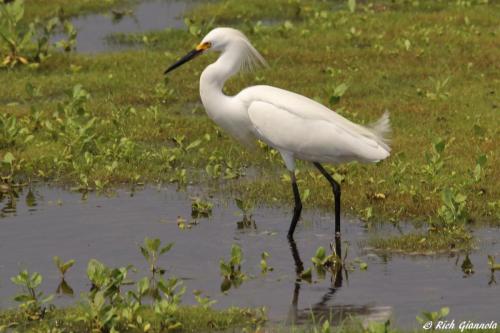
{"points": [[193, 144], [166, 248], [23, 298], [444, 311], [352, 5], [8, 158]]}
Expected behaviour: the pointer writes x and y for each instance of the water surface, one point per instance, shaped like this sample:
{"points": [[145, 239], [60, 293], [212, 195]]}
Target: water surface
{"points": [[46, 221], [147, 16]]}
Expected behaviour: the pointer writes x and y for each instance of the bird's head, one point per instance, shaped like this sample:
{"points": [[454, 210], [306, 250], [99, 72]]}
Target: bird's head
{"points": [[220, 40]]}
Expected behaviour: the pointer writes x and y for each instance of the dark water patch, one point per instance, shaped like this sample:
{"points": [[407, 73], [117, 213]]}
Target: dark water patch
{"points": [[44, 222], [146, 16]]}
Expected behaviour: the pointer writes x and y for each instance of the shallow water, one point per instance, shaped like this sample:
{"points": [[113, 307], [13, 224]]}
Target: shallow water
{"points": [[148, 15], [49, 221]]}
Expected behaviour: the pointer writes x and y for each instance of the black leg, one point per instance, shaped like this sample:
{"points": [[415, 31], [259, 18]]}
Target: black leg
{"points": [[299, 268], [336, 194], [298, 206]]}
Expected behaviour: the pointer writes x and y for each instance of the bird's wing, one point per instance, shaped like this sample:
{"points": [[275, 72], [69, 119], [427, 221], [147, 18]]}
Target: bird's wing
{"points": [[301, 126]]}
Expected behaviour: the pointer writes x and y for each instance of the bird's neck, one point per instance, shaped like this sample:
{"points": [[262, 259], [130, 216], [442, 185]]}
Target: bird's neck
{"points": [[215, 75]]}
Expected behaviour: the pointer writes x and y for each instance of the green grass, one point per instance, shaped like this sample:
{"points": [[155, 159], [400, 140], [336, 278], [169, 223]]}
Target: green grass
{"points": [[423, 243], [44, 9], [191, 318], [432, 65]]}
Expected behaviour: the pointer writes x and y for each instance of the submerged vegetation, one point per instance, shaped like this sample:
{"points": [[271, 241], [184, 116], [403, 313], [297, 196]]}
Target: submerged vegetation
{"points": [[120, 300], [116, 303]]}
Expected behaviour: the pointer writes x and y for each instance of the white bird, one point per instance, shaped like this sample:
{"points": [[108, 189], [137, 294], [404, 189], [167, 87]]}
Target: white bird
{"points": [[296, 126]]}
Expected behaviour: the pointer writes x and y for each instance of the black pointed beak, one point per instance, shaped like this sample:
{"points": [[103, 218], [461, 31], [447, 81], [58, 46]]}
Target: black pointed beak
{"points": [[191, 55]]}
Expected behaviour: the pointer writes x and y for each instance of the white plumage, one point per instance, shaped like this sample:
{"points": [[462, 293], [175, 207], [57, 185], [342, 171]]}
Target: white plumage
{"points": [[298, 127]]}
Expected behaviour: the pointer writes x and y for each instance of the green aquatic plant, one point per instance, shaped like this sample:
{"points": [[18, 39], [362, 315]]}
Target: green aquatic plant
{"points": [[379, 327], [12, 132], [62, 266], [433, 317], [14, 41], [264, 266], [168, 303], [332, 262], [28, 43], [204, 302], [117, 304], [246, 207], [107, 280], [68, 44], [31, 301], [467, 266], [453, 211], [98, 314], [231, 270], [324, 328], [306, 275], [151, 250], [494, 266], [9, 167], [201, 208]]}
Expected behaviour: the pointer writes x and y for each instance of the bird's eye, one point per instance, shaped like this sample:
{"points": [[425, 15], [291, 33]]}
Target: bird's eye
{"points": [[203, 46]]}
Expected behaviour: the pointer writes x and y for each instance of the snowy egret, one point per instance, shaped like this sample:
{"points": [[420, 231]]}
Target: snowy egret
{"points": [[296, 126]]}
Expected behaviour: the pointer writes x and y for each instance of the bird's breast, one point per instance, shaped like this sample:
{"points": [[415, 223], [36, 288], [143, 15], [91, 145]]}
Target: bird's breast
{"points": [[231, 116]]}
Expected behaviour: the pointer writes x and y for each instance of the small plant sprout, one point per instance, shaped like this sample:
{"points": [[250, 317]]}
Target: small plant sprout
{"points": [[264, 267], [362, 265], [306, 275], [453, 209], [200, 208], [467, 266], [204, 302], [478, 172], [182, 224], [324, 328], [379, 327], [231, 270], [494, 266], [63, 266], [30, 300], [439, 90], [323, 262], [337, 92], [151, 251], [434, 158], [433, 317], [246, 208]]}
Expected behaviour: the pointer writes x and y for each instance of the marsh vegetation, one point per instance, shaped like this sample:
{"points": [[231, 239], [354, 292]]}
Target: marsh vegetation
{"points": [[100, 122]]}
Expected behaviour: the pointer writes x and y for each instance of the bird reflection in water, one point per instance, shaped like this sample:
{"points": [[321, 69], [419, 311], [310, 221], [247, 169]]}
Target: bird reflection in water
{"points": [[324, 309]]}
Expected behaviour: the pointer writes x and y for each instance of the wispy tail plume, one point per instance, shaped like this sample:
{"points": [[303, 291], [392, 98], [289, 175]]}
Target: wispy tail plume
{"points": [[382, 128]]}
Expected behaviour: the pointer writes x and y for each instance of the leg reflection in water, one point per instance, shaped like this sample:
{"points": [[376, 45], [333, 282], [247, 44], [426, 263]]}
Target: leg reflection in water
{"points": [[321, 308], [326, 309]]}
